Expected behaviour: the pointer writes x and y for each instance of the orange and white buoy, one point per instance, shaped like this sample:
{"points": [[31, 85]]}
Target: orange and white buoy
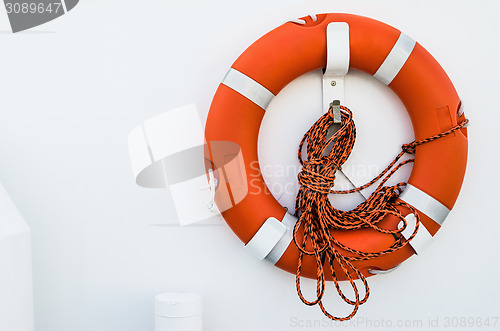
{"points": [[292, 50]]}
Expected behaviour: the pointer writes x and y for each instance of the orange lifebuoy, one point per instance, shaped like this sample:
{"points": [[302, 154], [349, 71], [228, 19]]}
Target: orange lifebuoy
{"points": [[292, 50]]}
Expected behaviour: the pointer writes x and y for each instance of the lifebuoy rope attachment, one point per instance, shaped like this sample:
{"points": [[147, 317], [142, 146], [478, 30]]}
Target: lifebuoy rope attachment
{"points": [[212, 186], [460, 111], [300, 21], [317, 217], [382, 272]]}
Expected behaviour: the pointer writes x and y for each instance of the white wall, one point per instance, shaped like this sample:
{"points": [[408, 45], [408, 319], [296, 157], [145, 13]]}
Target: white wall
{"points": [[71, 91]]}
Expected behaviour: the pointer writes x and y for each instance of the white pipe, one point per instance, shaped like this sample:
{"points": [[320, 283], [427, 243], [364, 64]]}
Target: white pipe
{"points": [[178, 311]]}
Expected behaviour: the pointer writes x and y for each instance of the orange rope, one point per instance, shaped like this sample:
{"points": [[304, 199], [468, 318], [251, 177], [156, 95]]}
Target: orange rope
{"points": [[317, 217]]}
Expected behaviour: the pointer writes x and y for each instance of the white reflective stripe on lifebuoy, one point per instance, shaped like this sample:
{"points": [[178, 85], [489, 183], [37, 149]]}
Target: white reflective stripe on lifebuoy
{"points": [[279, 249], [426, 204], [396, 59], [248, 87], [266, 238], [422, 238]]}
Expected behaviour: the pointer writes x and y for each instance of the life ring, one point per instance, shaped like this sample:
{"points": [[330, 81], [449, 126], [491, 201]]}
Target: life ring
{"points": [[292, 50]]}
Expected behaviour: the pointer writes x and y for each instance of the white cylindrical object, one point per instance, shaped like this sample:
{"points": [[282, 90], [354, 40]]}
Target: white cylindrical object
{"points": [[16, 280], [178, 311]]}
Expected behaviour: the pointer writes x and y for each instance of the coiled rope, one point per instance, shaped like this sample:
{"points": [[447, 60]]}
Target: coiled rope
{"points": [[317, 217]]}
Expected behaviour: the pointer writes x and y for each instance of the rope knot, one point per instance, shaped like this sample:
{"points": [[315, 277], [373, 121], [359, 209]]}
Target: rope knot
{"points": [[409, 148], [318, 175]]}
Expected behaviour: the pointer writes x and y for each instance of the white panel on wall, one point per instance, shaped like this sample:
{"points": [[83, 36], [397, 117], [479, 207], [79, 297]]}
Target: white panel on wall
{"points": [[16, 275]]}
